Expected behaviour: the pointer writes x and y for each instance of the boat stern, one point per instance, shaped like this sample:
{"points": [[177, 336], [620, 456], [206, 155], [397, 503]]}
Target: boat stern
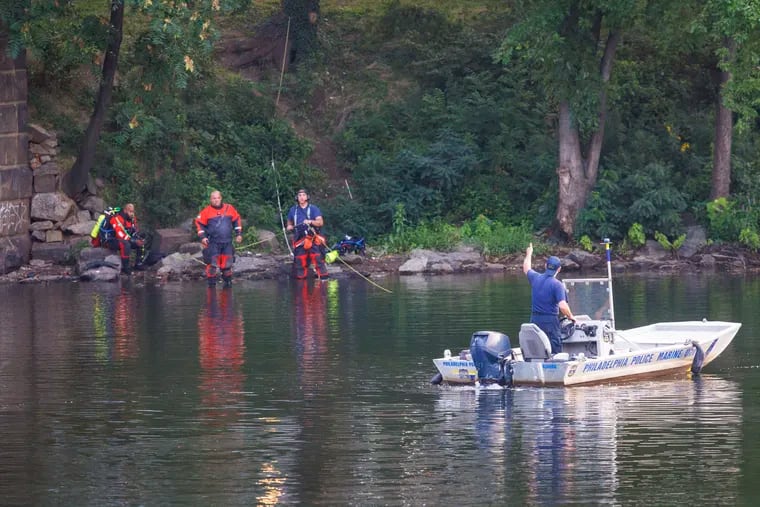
{"points": [[456, 369]]}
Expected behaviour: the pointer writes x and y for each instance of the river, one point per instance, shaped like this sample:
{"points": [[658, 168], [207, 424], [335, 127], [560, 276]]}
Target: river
{"points": [[284, 392]]}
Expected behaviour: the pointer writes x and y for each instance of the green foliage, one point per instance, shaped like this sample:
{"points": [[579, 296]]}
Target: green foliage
{"points": [[562, 48], [424, 179], [671, 246], [494, 238], [586, 243], [472, 144], [491, 237], [435, 235], [750, 238], [427, 119], [722, 218], [725, 219], [219, 136], [732, 220], [649, 197], [636, 237]]}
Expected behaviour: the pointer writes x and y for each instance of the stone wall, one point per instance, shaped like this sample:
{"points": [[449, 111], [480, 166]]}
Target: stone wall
{"points": [[15, 174]]}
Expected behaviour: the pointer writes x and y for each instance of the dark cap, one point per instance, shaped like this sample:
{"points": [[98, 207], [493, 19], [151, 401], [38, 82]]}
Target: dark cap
{"points": [[553, 264]]}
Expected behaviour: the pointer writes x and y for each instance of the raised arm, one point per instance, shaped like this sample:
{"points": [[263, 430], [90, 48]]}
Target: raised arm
{"points": [[528, 262]]}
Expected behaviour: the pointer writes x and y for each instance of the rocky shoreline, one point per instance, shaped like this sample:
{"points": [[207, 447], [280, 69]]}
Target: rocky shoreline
{"points": [[99, 265]]}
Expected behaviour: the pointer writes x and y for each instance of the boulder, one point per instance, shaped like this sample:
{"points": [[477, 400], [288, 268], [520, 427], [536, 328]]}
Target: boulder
{"points": [[91, 258], [177, 263], [100, 274], [584, 259], [170, 240], [80, 228], [43, 225], [94, 204], [413, 266], [267, 241], [191, 248], [55, 206], [38, 134], [696, 238]]}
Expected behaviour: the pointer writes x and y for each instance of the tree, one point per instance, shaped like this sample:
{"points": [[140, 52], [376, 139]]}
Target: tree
{"points": [[730, 29], [304, 17], [176, 39], [80, 171], [571, 46]]}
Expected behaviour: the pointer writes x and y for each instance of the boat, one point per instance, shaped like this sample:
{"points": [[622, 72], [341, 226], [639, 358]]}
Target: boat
{"points": [[593, 350]]}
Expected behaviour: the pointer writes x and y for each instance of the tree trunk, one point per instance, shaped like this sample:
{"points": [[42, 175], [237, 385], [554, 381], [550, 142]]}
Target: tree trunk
{"points": [[721, 173], [304, 17], [572, 184], [577, 176], [80, 172]]}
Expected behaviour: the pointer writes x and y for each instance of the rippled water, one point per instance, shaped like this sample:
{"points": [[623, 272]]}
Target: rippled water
{"points": [[318, 394]]}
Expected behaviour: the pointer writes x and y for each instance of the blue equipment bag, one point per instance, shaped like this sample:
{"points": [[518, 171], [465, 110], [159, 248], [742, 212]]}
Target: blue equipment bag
{"points": [[350, 244]]}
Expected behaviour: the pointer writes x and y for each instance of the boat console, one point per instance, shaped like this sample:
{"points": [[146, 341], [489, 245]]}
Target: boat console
{"points": [[592, 338]]}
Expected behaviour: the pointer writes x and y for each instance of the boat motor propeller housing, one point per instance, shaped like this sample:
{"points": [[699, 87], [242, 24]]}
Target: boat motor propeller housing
{"points": [[491, 351]]}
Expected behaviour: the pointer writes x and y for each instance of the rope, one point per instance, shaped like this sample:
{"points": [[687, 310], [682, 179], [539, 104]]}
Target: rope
{"points": [[329, 249], [361, 275], [277, 188], [279, 208], [252, 244], [274, 170], [353, 268], [282, 67]]}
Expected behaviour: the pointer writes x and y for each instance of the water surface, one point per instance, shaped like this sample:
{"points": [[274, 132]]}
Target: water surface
{"points": [[317, 393]]}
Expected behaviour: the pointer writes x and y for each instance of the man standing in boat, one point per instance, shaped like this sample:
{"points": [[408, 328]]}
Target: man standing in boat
{"points": [[548, 298], [305, 220]]}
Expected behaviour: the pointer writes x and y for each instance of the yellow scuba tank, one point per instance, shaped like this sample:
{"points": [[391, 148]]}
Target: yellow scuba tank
{"points": [[96, 229]]}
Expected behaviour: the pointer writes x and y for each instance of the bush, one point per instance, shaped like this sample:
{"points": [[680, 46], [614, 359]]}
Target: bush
{"points": [[435, 235], [750, 238], [636, 237]]}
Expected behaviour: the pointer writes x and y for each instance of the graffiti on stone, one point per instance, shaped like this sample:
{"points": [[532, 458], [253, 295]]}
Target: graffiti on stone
{"points": [[14, 217]]}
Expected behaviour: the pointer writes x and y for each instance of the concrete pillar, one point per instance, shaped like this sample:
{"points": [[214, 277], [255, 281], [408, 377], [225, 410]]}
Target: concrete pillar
{"points": [[15, 174]]}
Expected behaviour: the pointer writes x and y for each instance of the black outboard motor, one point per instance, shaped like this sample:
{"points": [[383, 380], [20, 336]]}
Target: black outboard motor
{"points": [[490, 351]]}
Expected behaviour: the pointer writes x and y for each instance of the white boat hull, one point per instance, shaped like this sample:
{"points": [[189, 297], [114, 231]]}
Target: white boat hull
{"points": [[656, 349], [456, 370]]}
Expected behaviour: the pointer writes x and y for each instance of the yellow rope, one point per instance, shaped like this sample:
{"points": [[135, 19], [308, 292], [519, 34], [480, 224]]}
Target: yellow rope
{"points": [[252, 244], [370, 281]]}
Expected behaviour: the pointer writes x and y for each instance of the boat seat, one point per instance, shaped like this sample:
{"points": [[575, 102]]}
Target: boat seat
{"points": [[534, 343]]}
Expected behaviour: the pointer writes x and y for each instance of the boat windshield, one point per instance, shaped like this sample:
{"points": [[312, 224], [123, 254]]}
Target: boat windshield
{"points": [[589, 296]]}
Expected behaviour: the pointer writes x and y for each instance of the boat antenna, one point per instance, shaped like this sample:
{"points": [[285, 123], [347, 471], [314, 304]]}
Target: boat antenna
{"points": [[606, 243]]}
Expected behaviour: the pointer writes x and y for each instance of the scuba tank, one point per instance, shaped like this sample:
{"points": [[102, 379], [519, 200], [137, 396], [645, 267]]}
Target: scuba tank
{"points": [[96, 228], [101, 223]]}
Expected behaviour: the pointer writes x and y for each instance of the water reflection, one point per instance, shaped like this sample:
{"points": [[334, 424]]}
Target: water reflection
{"points": [[114, 324], [318, 394], [310, 307], [221, 348], [607, 443]]}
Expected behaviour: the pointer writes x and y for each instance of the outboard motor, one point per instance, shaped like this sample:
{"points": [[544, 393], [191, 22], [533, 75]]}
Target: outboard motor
{"points": [[490, 351]]}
